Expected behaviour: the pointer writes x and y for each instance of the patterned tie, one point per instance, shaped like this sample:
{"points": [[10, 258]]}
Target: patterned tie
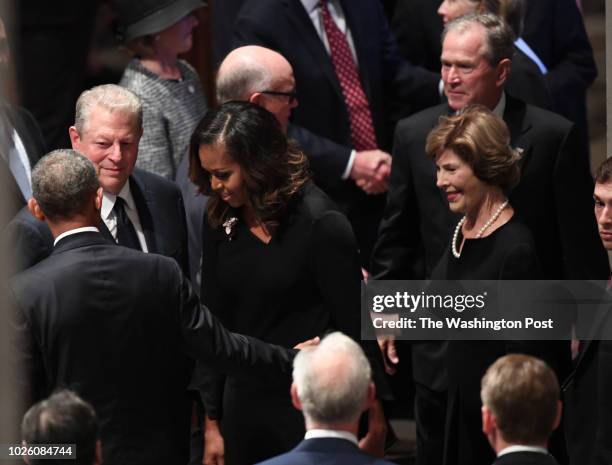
{"points": [[362, 128], [126, 234]]}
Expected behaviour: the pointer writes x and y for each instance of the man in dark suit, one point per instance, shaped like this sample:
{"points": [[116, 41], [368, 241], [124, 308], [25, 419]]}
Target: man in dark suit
{"points": [[587, 390], [555, 30], [521, 407], [108, 126], [332, 386], [355, 80], [417, 225], [21, 144], [112, 324]]}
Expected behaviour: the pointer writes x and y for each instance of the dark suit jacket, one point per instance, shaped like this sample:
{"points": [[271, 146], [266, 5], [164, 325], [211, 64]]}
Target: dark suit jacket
{"points": [[586, 395], [525, 458], [324, 451], [553, 198], [554, 29], [29, 132], [162, 216], [113, 324], [393, 87]]}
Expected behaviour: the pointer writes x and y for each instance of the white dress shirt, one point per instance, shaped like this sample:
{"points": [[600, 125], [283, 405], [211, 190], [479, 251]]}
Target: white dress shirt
{"points": [[109, 218], [70, 232], [331, 433], [19, 164], [519, 448]]}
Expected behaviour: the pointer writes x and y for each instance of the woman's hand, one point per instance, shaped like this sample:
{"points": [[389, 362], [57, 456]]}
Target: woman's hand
{"points": [[214, 446], [373, 442], [389, 353]]}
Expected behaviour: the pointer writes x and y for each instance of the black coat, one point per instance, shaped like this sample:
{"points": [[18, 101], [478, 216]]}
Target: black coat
{"points": [[115, 325]]}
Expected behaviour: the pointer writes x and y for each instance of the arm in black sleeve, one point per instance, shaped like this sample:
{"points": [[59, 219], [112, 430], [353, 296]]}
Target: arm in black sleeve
{"points": [[337, 271]]}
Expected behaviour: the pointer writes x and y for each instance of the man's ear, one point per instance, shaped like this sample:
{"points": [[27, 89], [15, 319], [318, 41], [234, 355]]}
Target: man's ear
{"points": [[295, 400], [503, 70], [558, 417], [35, 209], [255, 98], [98, 198], [370, 397], [75, 139], [488, 420]]}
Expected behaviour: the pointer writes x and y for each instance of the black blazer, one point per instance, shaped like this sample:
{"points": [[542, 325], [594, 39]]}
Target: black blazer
{"points": [[325, 451], [29, 132], [113, 324], [162, 216]]}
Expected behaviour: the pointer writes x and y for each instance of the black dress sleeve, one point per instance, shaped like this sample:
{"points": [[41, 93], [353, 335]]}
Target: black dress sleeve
{"points": [[207, 381], [336, 268]]}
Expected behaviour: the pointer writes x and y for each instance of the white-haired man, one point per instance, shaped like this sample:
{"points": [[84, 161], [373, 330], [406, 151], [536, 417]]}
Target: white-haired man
{"points": [[332, 386]]}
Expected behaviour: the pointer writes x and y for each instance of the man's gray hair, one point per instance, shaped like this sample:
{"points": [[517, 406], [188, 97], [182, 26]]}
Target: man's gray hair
{"points": [[332, 380], [239, 82], [112, 98], [499, 38], [63, 181]]}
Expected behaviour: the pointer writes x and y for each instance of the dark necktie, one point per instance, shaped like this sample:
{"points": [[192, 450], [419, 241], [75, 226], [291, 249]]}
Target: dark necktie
{"points": [[126, 234], [362, 128]]}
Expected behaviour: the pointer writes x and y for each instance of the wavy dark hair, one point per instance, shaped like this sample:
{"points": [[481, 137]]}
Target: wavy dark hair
{"points": [[273, 168]]}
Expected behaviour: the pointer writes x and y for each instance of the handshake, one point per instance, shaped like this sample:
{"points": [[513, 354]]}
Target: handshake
{"points": [[370, 171]]}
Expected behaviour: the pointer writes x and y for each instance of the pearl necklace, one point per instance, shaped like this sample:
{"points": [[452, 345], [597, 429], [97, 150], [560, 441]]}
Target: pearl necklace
{"points": [[492, 220]]}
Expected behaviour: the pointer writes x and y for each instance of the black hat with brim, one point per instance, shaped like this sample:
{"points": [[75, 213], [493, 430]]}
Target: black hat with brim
{"points": [[143, 17]]}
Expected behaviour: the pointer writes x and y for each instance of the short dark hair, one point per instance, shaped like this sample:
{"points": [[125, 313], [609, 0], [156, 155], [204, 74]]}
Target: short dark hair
{"points": [[63, 181], [480, 139], [522, 392], [274, 169], [63, 418], [604, 172]]}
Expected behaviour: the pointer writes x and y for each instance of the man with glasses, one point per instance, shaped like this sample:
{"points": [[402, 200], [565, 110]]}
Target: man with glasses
{"points": [[353, 86]]}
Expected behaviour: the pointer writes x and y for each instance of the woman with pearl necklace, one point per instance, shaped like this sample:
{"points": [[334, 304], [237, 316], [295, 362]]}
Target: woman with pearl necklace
{"points": [[475, 168]]}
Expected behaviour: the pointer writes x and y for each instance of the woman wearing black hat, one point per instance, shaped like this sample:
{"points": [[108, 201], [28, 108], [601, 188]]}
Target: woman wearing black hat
{"points": [[156, 32]]}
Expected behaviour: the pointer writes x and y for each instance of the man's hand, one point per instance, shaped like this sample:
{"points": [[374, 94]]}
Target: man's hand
{"points": [[373, 442], [309, 343], [389, 353], [370, 171], [214, 446]]}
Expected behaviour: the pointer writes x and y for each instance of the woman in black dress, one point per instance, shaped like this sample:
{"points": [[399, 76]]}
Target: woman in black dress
{"points": [[280, 263], [475, 165]]}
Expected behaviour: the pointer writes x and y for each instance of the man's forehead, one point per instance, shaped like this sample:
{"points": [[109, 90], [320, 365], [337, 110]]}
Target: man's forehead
{"points": [[101, 119], [467, 40], [603, 190]]}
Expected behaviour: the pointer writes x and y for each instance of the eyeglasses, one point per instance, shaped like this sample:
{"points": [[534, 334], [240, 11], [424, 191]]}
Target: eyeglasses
{"points": [[292, 95]]}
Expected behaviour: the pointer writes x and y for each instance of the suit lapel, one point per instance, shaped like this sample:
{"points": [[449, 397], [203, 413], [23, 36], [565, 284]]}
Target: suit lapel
{"points": [[310, 40], [143, 202], [514, 116], [24, 132]]}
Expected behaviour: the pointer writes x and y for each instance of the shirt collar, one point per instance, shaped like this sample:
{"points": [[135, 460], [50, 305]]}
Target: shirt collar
{"points": [[108, 200], [520, 448], [310, 5], [501, 106], [70, 232], [331, 433]]}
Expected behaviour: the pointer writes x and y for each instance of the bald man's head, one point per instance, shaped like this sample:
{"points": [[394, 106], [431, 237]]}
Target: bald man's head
{"points": [[261, 76]]}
